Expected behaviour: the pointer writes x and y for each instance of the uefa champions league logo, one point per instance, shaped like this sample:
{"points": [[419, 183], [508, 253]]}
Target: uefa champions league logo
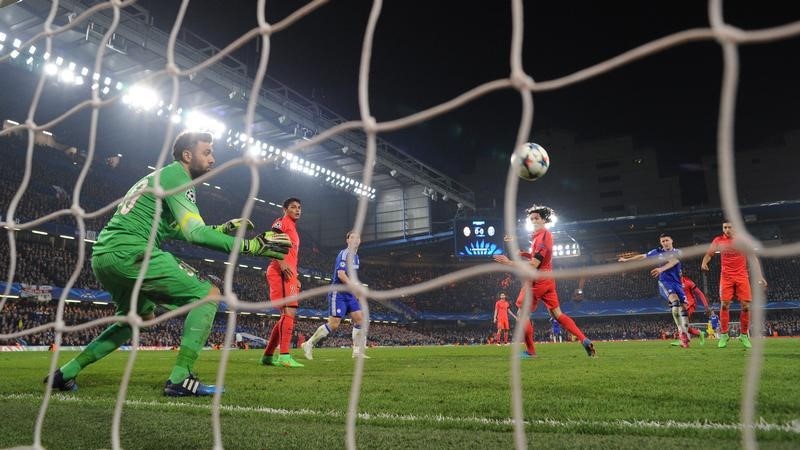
{"points": [[481, 248]]}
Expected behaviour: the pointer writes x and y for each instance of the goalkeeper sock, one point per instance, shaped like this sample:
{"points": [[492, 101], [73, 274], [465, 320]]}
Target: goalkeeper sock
{"points": [[322, 332], [287, 326], [274, 338], [744, 319], [196, 329], [724, 320], [108, 341], [567, 322]]}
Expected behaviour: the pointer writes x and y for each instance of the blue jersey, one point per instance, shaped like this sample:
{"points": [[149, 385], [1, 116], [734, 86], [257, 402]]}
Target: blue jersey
{"points": [[342, 303], [556, 326], [672, 275], [341, 264], [714, 319]]}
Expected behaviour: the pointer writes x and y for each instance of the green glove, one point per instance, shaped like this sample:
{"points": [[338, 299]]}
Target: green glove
{"points": [[269, 243], [230, 227]]}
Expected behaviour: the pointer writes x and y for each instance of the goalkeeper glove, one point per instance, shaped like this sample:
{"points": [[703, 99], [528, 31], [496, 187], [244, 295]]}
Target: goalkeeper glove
{"points": [[269, 243], [230, 227]]}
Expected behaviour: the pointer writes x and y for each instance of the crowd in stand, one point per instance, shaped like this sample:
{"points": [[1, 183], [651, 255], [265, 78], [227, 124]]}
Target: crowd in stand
{"points": [[24, 314], [50, 260]]}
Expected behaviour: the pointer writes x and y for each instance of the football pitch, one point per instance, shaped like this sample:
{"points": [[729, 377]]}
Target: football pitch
{"points": [[634, 395]]}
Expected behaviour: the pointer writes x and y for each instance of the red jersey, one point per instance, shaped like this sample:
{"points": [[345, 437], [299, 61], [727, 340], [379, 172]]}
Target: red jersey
{"points": [[289, 226], [542, 245], [689, 287], [501, 307], [734, 263]]}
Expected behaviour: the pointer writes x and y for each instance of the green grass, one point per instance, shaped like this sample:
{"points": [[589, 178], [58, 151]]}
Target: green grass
{"points": [[429, 397]]}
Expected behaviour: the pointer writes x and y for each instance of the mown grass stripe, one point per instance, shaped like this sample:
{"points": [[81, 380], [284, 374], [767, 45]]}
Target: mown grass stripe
{"points": [[762, 425]]}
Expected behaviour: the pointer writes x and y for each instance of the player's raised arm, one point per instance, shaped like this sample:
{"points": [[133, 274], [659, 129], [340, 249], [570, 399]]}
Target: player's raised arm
{"points": [[638, 257]]}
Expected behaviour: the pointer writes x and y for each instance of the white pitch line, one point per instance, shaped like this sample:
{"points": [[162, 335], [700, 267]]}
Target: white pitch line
{"points": [[762, 425]]}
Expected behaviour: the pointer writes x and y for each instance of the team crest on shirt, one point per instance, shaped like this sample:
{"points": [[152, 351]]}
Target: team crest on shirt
{"points": [[190, 194]]}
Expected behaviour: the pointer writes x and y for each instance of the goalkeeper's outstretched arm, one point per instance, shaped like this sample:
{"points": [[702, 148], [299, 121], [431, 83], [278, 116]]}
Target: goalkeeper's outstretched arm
{"points": [[192, 228]]}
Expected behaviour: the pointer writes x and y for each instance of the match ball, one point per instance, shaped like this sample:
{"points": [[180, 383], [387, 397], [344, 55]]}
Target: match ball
{"points": [[531, 161]]}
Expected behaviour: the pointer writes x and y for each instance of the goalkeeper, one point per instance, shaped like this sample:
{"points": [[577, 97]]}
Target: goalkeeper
{"points": [[118, 257]]}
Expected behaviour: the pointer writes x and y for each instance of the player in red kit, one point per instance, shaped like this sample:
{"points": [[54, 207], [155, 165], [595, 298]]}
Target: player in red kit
{"points": [[541, 256], [734, 281], [692, 293], [283, 282], [501, 318]]}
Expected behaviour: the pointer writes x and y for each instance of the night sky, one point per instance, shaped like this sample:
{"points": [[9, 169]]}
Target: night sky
{"points": [[427, 52]]}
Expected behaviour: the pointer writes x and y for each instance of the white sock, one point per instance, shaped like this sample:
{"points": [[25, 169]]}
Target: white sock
{"points": [[321, 333], [676, 316], [684, 318], [358, 337]]}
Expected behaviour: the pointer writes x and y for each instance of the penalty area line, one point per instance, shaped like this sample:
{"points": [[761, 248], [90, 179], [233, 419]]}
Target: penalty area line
{"points": [[762, 425]]}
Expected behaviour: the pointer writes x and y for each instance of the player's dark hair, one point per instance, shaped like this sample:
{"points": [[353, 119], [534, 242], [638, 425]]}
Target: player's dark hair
{"points": [[663, 235], [347, 236], [290, 200], [545, 212], [188, 140]]}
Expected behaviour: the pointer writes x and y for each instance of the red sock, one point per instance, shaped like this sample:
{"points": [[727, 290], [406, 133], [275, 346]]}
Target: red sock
{"points": [[724, 319], [744, 319], [505, 337], [273, 338], [529, 338], [567, 322], [287, 326], [694, 331]]}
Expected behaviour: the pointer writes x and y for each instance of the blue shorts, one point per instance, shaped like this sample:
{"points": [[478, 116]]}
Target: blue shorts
{"points": [[667, 288], [341, 304]]}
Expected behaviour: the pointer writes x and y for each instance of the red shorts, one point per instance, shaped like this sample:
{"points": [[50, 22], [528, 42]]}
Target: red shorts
{"points": [[502, 323], [544, 290], [734, 287], [280, 288]]}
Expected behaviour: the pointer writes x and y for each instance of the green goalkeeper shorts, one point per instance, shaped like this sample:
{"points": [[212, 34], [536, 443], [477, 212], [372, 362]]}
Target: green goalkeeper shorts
{"points": [[168, 281]]}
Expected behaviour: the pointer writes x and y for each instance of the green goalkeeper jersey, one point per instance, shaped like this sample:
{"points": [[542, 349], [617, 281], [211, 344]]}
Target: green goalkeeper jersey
{"points": [[129, 228]]}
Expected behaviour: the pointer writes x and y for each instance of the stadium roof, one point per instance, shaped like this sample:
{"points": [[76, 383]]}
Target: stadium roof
{"points": [[137, 51]]}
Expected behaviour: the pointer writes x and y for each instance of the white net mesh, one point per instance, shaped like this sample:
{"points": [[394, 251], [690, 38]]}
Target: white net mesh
{"points": [[728, 37]]}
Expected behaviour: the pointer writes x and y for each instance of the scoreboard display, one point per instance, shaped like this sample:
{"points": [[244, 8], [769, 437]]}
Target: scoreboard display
{"points": [[479, 238]]}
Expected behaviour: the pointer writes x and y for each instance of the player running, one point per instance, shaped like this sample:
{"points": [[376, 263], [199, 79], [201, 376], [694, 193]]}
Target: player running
{"points": [[342, 303], [283, 282], [119, 253], [669, 282], [541, 257], [734, 281]]}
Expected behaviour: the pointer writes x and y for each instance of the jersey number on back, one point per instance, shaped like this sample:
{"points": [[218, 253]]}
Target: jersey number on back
{"points": [[132, 196]]}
